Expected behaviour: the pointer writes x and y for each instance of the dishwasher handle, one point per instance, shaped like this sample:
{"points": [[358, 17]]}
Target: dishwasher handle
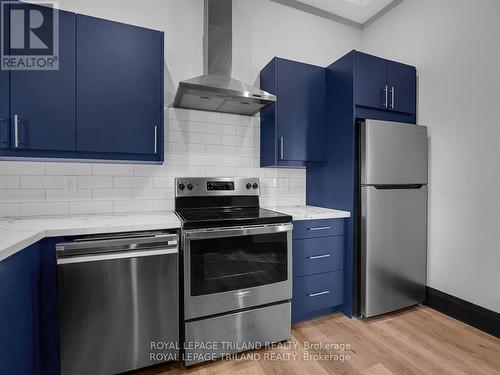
{"points": [[115, 255], [116, 248]]}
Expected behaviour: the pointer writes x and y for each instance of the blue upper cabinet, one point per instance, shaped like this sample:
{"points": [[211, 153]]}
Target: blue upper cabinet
{"points": [[402, 83], [42, 102], [292, 130], [103, 102], [371, 81], [382, 84], [120, 88]]}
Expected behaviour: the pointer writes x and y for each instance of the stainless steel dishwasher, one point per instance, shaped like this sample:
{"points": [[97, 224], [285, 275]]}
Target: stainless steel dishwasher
{"points": [[118, 301]]}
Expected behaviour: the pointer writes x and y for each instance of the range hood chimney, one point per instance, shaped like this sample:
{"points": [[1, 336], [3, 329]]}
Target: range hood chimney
{"points": [[215, 90]]}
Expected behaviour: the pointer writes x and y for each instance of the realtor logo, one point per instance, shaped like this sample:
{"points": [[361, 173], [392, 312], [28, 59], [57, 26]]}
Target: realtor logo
{"points": [[30, 36]]}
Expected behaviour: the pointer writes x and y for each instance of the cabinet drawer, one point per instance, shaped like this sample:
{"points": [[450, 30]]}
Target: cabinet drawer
{"points": [[316, 292], [317, 255], [318, 228]]}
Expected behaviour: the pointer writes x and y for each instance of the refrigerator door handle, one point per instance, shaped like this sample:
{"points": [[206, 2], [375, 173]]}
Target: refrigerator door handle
{"points": [[398, 187]]}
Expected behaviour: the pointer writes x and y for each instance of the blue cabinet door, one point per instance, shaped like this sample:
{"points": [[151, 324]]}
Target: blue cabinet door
{"points": [[19, 318], [4, 92], [120, 87], [292, 130], [43, 101], [370, 81], [402, 82], [4, 110], [300, 111]]}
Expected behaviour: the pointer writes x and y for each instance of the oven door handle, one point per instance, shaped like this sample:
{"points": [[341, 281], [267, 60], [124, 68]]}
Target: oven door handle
{"points": [[236, 232]]}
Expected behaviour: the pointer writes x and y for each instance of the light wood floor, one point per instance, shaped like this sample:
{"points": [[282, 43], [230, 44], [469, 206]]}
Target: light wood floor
{"points": [[414, 341]]}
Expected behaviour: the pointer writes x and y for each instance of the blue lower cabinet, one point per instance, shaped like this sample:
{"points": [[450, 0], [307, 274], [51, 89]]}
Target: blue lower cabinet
{"points": [[19, 315], [318, 255], [318, 228], [29, 338], [318, 267], [316, 294]]}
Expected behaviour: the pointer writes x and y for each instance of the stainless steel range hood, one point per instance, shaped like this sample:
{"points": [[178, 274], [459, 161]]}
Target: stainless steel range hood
{"points": [[215, 90]]}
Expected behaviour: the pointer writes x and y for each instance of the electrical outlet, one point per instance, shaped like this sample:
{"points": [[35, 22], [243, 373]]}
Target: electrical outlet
{"points": [[69, 183]]}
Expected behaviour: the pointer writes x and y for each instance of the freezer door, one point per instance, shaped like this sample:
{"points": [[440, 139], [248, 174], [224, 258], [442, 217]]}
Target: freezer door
{"points": [[393, 153], [393, 248]]}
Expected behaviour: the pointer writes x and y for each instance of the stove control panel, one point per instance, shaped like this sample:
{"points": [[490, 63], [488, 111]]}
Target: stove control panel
{"points": [[206, 186], [220, 185]]}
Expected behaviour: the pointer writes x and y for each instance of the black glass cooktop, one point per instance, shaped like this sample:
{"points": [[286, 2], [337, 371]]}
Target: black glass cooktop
{"points": [[226, 217]]}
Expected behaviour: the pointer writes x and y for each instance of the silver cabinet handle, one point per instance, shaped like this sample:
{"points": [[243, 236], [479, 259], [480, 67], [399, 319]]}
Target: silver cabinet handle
{"points": [[156, 139], [319, 256], [319, 228], [392, 97], [16, 131], [322, 293], [282, 148], [386, 91]]}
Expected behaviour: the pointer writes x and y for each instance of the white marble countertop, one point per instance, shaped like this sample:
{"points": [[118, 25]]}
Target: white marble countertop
{"points": [[19, 233], [310, 212]]}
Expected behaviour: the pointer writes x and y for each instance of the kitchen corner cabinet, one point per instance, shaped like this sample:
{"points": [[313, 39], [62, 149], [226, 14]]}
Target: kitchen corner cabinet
{"points": [[292, 129], [318, 267], [104, 103], [384, 85], [19, 342], [29, 338]]}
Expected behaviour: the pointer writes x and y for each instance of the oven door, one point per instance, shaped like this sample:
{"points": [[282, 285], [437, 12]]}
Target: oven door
{"points": [[227, 269]]}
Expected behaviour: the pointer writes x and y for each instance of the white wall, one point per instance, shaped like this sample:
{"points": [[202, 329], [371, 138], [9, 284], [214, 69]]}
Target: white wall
{"points": [[197, 143], [455, 45]]}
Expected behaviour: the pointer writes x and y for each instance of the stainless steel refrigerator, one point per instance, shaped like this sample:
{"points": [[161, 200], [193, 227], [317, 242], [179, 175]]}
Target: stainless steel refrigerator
{"points": [[393, 227]]}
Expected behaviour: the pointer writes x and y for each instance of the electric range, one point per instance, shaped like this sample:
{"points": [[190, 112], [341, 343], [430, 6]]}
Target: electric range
{"points": [[237, 267]]}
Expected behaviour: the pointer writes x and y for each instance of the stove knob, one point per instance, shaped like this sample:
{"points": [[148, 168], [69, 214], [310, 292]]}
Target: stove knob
{"points": [[248, 186], [190, 186], [182, 187], [255, 185]]}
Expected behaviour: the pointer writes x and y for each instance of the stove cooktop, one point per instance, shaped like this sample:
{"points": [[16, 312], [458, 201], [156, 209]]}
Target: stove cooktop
{"points": [[226, 217]]}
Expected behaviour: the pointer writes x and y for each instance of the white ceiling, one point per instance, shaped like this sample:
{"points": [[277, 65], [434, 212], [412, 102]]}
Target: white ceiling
{"points": [[358, 11]]}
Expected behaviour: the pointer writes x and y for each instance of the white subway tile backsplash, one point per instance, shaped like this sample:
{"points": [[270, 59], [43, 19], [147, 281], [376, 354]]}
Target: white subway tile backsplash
{"points": [[112, 169], [184, 148], [186, 126], [44, 208], [67, 195], [220, 149], [197, 144], [9, 209], [21, 168], [221, 171], [68, 169], [85, 208], [163, 193], [163, 182], [133, 182], [41, 182], [112, 194], [94, 182], [163, 205], [9, 182], [133, 206], [10, 196], [220, 129], [228, 118]]}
